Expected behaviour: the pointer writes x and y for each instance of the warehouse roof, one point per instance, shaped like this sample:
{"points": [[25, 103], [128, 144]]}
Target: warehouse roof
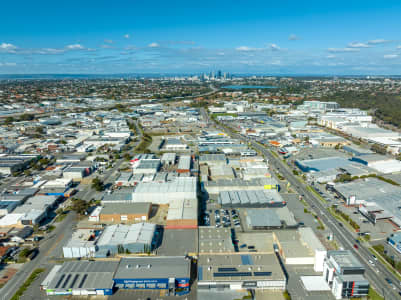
{"points": [[243, 198], [153, 267], [126, 208], [215, 240], [344, 259], [239, 267], [212, 157], [184, 163], [84, 275], [322, 164], [127, 234], [262, 218], [180, 184]]}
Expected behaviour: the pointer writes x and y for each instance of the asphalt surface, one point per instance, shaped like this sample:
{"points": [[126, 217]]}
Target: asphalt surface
{"points": [[49, 248], [375, 274]]}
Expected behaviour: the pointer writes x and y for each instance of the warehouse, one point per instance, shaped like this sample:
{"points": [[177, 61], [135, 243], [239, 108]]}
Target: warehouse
{"points": [[35, 209], [147, 166], [135, 238], [182, 214], [300, 247], [81, 244], [380, 163], [15, 163], [217, 186], [125, 212], [240, 271], [258, 198], [81, 278], [215, 240], [322, 164], [74, 172], [168, 158], [184, 164], [170, 273], [213, 159], [269, 218], [377, 200], [124, 179], [166, 192], [172, 144], [118, 196], [221, 172]]}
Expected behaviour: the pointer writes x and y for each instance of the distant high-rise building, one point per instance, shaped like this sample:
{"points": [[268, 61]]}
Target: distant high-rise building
{"points": [[219, 74]]}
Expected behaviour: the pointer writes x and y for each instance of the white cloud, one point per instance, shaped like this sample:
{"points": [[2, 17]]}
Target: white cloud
{"points": [[127, 36], [331, 56], [293, 37], [106, 46], [75, 47], [50, 51], [108, 41], [153, 45], [274, 47], [340, 50], [378, 41], [390, 56], [358, 45], [399, 47], [7, 46], [244, 48]]}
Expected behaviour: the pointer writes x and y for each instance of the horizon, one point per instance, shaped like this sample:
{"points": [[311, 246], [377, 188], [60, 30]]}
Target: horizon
{"points": [[358, 38]]}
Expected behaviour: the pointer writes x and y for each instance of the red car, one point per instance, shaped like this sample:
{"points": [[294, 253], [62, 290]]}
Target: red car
{"points": [[356, 246]]}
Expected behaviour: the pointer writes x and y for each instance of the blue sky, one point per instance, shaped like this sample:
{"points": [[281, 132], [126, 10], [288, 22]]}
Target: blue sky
{"points": [[261, 37]]}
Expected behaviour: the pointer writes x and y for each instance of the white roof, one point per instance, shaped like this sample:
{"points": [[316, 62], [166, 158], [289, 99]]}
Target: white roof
{"points": [[10, 219], [314, 283], [127, 234]]}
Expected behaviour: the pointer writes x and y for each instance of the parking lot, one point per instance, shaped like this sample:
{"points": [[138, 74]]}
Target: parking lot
{"points": [[222, 218]]}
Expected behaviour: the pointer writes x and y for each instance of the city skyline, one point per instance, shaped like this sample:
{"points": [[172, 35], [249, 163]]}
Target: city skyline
{"points": [[340, 38]]}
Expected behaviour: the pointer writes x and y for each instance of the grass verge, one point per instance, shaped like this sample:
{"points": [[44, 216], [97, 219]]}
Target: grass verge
{"points": [[27, 283]]}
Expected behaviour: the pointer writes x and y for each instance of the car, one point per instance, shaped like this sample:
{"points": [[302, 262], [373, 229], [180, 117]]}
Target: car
{"points": [[340, 224], [371, 262], [251, 247], [357, 241], [374, 257], [242, 246], [388, 280], [356, 246]]}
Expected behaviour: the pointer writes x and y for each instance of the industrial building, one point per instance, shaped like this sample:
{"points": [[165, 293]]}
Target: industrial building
{"points": [[184, 164], [147, 166], [166, 192], [380, 163], [240, 271], [215, 240], [125, 212], [322, 164], [217, 186], [81, 278], [213, 159], [221, 172], [257, 198], [168, 158], [300, 247], [81, 244], [169, 273], [15, 163], [376, 199], [135, 238], [269, 218], [344, 274]]}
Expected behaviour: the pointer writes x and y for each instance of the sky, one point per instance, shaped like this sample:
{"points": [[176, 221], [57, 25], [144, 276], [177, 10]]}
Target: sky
{"points": [[189, 37]]}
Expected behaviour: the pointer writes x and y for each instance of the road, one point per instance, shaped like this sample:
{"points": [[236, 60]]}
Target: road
{"points": [[49, 248], [375, 274]]}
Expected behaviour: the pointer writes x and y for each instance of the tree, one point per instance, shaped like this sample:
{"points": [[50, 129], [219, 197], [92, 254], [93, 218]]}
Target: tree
{"points": [[97, 184], [79, 206]]}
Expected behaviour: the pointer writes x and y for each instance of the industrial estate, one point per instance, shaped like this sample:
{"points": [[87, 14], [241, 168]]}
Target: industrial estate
{"points": [[198, 187]]}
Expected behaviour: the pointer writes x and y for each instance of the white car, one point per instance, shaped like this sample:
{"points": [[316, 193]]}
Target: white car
{"points": [[371, 262]]}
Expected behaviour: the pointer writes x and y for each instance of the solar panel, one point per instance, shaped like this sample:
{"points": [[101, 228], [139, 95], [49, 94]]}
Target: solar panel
{"points": [[262, 273], [82, 281], [246, 260], [66, 281], [59, 281], [74, 280], [232, 274], [227, 269]]}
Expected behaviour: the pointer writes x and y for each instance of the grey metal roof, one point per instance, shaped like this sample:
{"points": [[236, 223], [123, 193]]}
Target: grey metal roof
{"points": [[263, 218], [119, 234], [126, 208], [243, 198], [153, 267], [84, 275]]}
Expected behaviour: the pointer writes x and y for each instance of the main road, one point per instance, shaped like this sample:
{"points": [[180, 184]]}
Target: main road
{"points": [[49, 248], [375, 274]]}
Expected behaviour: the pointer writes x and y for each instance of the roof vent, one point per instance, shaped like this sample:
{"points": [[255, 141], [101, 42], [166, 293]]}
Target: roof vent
{"points": [[129, 266]]}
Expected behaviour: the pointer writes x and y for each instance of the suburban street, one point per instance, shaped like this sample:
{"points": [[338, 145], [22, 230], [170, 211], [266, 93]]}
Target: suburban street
{"points": [[49, 249], [375, 274]]}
